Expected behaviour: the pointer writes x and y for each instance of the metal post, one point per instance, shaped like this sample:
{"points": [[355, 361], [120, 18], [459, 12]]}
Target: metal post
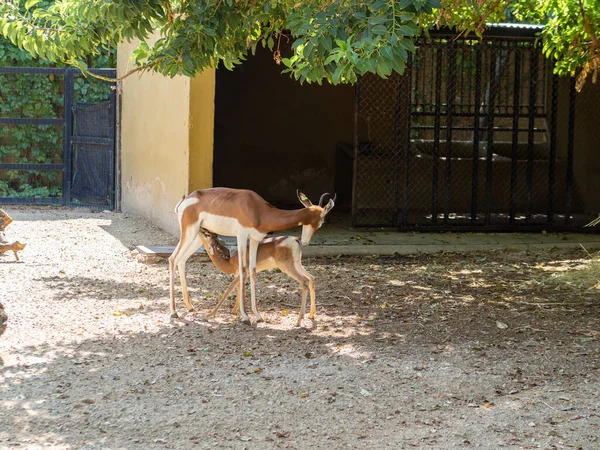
{"points": [[111, 175], [515, 135], [570, 151], [355, 162], [450, 96], [118, 112], [68, 132], [490, 137], [436, 135], [396, 150], [552, 162], [533, 88], [409, 68], [476, 134]]}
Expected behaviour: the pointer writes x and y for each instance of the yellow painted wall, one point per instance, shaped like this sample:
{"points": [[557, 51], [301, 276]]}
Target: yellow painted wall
{"points": [[154, 143], [166, 139], [202, 125]]}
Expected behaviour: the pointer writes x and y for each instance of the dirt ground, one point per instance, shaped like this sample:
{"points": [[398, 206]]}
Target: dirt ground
{"points": [[487, 349]]}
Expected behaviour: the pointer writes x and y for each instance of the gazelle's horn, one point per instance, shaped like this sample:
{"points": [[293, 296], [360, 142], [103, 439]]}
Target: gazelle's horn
{"points": [[322, 197]]}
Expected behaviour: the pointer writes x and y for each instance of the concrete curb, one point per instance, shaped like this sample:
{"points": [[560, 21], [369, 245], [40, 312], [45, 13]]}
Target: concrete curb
{"points": [[316, 251], [325, 250]]}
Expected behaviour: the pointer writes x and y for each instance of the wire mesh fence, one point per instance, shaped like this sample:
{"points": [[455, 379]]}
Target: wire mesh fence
{"points": [[476, 134]]}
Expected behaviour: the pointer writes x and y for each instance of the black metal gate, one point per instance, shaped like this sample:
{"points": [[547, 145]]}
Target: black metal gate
{"points": [[477, 134], [77, 162]]}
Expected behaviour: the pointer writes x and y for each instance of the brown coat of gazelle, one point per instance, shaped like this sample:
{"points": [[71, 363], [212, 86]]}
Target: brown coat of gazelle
{"points": [[282, 252], [241, 213]]}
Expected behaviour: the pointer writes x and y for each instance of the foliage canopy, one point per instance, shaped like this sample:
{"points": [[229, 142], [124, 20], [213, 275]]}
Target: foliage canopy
{"points": [[330, 40]]}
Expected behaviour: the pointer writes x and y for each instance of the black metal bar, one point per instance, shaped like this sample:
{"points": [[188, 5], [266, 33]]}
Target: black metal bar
{"points": [[407, 149], [30, 121], [552, 161], [27, 166], [355, 162], [68, 131], [515, 135], [476, 136], [90, 140], [533, 90], [491, 228], [32, 70], [570, 152], [436, 135], [464, 128], [450, 97], [490, 135], [458, 114], [31, 200]]}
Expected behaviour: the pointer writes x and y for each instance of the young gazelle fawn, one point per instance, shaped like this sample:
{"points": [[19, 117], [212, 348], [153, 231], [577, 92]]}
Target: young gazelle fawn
{"points": [[283, 252], [245, 215]]}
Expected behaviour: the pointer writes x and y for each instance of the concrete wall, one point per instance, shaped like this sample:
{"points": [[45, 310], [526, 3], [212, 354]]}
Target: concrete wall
{"points": [[273, 135], [166, 141]]}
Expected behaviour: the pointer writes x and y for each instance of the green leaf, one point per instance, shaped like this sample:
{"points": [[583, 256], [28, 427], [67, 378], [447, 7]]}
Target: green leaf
{"points": [[335, 57], [380, 29], [377, 20], [337, 74], [30, 3]]}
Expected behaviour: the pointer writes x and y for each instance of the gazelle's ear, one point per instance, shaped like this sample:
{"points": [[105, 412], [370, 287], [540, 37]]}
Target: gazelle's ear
{"points": [[330, 204], [303, 199]]}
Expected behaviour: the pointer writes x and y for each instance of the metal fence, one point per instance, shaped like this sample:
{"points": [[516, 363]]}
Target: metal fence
{"points": [[57, 147], [477, 134]]}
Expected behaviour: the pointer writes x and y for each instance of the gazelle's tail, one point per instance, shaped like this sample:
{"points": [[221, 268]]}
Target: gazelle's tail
{"points": [[177, 207]]}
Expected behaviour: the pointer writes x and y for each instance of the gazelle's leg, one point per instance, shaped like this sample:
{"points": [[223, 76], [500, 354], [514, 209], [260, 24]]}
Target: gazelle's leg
{"points": [[6, 219], [292, 271], [189, 251], [252, 263], [236, 307], [313, 300], [173, 260], [302, 304], [187, 238], [231, 287], [310, 280], [242, 245]]}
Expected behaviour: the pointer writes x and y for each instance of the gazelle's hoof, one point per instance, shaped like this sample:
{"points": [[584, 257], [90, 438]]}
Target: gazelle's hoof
{"points": [[246, 321], [174, 315], [191, 309], [259, 319]]}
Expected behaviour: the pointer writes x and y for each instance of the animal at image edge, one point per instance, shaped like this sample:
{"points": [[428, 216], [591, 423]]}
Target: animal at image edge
{"points": [[245, 215], [6, 245], [282, 252]]}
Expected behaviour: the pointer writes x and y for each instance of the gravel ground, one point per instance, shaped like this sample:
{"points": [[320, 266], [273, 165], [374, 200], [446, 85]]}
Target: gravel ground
{"points": [[488, 349]]}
